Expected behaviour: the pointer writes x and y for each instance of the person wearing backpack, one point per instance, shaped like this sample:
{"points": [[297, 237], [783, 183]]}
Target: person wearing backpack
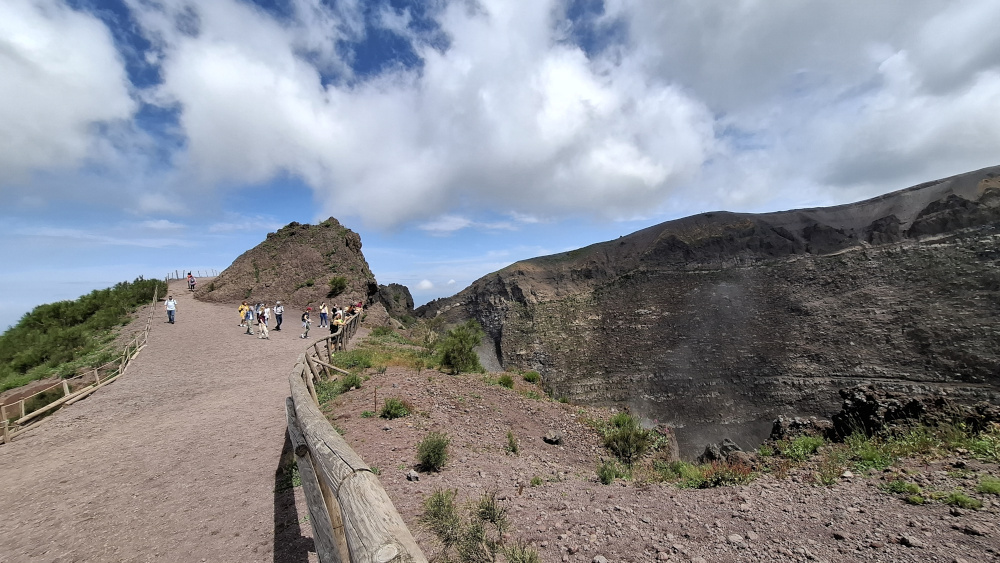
{"points": [[305, 323]]}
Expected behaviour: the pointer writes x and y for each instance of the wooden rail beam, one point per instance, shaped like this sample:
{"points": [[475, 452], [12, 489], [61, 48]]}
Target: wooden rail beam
{"points": [[374, 529], [328, 528]]}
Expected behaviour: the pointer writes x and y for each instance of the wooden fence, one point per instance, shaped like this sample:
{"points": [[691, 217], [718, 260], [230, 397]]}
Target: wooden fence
{"points": [[182, 273], [73, 389], [353, 519]]}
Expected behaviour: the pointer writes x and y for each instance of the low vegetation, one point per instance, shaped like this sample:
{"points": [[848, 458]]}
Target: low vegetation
{"points": [[58, 339], [478, 532], [432, 451], [395, 408], [456, 349]]}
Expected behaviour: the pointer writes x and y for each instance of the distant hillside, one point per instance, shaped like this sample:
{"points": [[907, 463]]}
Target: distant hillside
{"points": [[737, 317], [57, 339], [300, 265]]}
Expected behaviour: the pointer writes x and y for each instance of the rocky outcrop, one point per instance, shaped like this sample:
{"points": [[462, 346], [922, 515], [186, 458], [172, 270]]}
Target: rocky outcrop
{"points": [[738, 318], [300, 265], [396, 299]]}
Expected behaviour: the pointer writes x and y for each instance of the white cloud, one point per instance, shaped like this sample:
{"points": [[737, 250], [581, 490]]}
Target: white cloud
{"points": [[62, 81], [451, 282], [425, 285]]}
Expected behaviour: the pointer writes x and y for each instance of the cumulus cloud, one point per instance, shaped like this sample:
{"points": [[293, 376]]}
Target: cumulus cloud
{"points": [[425, 285], [63, 82], [508, 109], [508, 115]]}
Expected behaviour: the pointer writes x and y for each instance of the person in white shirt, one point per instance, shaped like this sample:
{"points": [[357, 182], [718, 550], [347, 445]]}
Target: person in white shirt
{"points": [[171, 308]]}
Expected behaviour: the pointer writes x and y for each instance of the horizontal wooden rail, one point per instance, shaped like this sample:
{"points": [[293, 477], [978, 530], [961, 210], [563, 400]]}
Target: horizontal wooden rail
{"points": [[354, 521]]}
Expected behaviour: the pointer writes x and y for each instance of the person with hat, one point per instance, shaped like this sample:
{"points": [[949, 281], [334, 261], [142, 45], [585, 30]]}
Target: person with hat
{"points": [[305, 323]]}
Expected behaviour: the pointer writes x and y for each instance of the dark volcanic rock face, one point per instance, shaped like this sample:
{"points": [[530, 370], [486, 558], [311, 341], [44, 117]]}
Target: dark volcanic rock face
{"points": [[396, 299], [734, 318], [295, 265]]}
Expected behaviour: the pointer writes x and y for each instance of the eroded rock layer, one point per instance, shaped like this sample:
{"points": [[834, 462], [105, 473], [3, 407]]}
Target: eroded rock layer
{"points": [[729, 317]]}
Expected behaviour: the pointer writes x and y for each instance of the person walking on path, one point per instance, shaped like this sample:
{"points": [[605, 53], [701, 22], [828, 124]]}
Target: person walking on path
{"points": [[262, 326], [242, 310], [278, 311], [248, 317], [171, 308], [305, 323], [191, 282]]}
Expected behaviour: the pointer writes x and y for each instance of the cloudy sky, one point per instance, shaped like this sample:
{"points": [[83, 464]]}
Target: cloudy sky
{"points": [[457, 136]]}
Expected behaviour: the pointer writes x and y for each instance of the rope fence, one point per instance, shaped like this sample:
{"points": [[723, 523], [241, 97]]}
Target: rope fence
{"points": [[17, 419]]}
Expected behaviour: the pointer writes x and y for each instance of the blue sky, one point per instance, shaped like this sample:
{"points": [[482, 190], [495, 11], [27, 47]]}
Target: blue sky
{"points": [[457, 136]]}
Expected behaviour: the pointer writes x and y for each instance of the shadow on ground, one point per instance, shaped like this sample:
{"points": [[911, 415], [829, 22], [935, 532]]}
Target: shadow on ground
{"points": [[290, 546]]}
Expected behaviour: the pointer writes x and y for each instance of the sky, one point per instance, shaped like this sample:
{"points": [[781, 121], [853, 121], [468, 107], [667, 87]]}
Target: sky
{"points": [[139, 137]]}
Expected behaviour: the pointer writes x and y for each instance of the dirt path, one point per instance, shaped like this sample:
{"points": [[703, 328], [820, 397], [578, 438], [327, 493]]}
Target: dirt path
{"points": [[175, 461]]}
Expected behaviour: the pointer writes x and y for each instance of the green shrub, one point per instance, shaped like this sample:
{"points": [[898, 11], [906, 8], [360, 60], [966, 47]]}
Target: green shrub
{"points": [[608, 471], [310, 282], [685, 475], [456, 348], [367, 414], [432, 452], [394, 408], [382, 331], [532, 377], [536, 481], [506, 380], [521, 553], [512, 447], [626, 439], [961, 500], [915, 499], [723, 474], [868, 452], [899, 486], [765, 450], [441, 516], [348, 382], [480, 536], [351, 359], [801, 448], [989, 486], [327, 391], [337, 286]]}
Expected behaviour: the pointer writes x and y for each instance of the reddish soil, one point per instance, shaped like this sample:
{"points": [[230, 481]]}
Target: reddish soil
{"points": [[571, 516], [176, 461]]}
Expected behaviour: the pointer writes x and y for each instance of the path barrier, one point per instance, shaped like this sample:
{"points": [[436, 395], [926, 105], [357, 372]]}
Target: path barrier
{"points": [[182, 273], [73, 388], [352, 517]]}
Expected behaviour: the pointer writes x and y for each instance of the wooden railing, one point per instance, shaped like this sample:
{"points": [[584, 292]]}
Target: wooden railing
{"points": [[73, 388], [352, 517]]}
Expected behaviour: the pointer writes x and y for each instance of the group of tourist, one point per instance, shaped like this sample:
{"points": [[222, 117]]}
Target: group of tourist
{"points": [[261, 315], [340, 317]]}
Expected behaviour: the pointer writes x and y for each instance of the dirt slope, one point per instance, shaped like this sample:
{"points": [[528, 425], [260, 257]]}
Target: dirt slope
{"points": [[173, 462]]}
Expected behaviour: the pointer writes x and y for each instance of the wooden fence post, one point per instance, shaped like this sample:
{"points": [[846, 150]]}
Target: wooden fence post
{"points": [[21, 402], [3, 412], [6, 431], [65, 388]]}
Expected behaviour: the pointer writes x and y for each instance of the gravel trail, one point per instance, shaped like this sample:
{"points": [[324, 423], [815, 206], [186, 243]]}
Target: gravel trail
{"points": [[175, 461]]}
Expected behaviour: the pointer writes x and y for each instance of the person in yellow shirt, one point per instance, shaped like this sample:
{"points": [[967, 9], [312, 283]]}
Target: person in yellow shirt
{"points": [[243, 313]]}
